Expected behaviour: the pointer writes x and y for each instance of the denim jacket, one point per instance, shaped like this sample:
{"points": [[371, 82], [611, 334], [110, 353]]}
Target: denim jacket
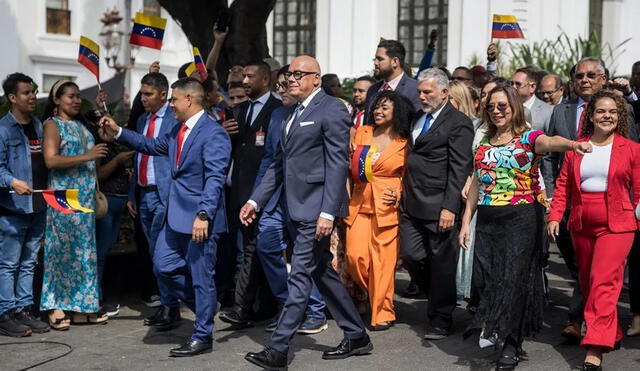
{"points": [[15, 162]]}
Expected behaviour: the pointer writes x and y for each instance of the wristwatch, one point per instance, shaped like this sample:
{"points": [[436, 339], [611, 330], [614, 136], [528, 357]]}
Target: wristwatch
{"points": [[202, 215]]}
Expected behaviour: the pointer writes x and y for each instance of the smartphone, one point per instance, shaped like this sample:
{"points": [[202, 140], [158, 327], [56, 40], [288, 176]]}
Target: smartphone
{"points": [[228, 113], [223, 21]]}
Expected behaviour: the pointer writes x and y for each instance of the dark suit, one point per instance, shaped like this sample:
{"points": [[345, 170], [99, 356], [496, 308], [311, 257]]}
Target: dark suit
{"points": [[312, 164], [437, 167], [247, 156], [184, 266], [407, 87]]}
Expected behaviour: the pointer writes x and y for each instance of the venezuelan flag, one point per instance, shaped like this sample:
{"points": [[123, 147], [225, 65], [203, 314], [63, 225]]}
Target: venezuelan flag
{"points": [[190, 69], [64, 200], [89, 56], [202, 68], [148, 31], [362, 164], [506, 27]]}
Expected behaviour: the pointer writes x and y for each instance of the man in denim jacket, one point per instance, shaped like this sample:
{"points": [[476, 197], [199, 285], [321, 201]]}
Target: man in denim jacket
{"points": [[22, 212]]}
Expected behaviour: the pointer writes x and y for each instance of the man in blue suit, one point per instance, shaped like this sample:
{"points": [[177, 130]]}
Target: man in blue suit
{"points": [[199, 151], [149, 188], [312, 165], [271, 241]]}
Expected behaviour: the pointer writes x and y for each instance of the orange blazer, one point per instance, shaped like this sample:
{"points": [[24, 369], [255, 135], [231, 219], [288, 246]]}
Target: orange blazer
{"points": [[623, 187], [387, 173]]}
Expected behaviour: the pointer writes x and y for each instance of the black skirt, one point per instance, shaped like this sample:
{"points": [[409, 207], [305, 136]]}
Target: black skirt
{"points": [[507, 271]]}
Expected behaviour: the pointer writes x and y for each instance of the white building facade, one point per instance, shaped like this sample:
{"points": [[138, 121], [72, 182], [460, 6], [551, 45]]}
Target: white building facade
{"points": [[341, 34], [347, 31]]}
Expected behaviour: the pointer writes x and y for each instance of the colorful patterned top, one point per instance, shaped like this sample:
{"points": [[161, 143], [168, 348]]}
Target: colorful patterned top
{"points": [[509, 173]]}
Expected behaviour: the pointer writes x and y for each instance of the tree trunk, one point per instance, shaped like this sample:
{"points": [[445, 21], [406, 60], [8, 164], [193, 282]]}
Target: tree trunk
{"points": [[247, 38]]}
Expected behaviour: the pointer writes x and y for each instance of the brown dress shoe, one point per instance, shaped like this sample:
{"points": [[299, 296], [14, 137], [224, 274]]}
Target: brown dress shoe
{"points": [[572, 332]]}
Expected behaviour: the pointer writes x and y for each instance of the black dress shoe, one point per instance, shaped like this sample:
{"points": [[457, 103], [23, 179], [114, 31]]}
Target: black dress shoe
{"points": [[269, 359], [588, 366], [165, 318], [436, 333], [507, 363], [236, 317], [191, 348], [412, 291], [349, 347]]}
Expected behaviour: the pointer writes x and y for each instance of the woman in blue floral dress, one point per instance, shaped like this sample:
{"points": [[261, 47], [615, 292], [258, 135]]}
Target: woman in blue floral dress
{"points": [[70, 281]]}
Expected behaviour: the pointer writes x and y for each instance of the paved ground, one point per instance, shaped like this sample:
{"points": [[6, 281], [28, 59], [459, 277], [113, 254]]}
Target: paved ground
{"points": [[124, 344]]}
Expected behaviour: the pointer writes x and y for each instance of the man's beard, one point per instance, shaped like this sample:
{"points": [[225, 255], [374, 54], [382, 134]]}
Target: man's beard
{"points": [[382, 74]]}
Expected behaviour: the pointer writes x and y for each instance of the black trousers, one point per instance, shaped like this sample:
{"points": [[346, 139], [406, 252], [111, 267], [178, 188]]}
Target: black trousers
{"points": [[431, 258], [634, 275], [576, 310], [252, 292]]}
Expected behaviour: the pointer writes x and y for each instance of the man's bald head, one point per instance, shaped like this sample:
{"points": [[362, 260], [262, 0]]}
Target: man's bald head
{"points": [[303, 77]]}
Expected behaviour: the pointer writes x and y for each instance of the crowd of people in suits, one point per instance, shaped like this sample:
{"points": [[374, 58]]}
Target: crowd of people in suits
{"points": [[282, 201]]}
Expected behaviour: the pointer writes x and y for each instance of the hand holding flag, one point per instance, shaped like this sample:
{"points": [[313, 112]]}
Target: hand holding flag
{"points": [[506, 27]]}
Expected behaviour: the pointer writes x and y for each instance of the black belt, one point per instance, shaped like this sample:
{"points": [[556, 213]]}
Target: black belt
{"points": [[150, 188]]}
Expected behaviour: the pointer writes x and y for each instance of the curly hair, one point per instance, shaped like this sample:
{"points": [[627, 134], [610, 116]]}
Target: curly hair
{"points": [[518, 122], [623, 113], [402, 112]]}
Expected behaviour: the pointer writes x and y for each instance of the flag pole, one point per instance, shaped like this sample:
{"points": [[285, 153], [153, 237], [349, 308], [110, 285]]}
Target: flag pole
{"points": [[104, 104], [34, 191]]}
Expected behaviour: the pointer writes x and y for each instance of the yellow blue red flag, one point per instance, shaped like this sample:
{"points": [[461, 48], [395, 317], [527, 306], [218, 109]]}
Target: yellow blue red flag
{"points": [[89, 56], [64, 200], [148, 31], [506, 27], [202, 68]]}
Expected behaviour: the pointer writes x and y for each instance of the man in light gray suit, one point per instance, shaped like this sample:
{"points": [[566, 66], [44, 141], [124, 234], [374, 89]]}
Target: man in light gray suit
{"points": [[524, 81], [312, 165]]}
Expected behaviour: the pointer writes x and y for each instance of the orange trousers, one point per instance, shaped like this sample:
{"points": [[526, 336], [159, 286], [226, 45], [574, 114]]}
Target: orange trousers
{"points": [[371, 254]]}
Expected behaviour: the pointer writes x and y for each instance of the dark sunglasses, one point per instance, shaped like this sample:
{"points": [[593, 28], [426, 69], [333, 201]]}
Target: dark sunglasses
{"points": [[501, 107], [590, 75]]}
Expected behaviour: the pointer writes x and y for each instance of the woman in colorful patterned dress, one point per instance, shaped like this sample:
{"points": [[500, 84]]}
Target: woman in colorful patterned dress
{"points": [[377, 165], [70, 281], [508, 254]]}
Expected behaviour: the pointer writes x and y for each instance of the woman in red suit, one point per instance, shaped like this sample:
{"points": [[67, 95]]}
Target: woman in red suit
{"points": [[602, 187]]}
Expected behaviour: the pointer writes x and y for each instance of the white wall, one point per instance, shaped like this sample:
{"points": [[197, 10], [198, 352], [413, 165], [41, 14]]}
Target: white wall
{"points": [[619, 22], [29, 49]]}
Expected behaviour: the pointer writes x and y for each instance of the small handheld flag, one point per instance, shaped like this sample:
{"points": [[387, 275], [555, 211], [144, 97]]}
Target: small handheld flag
{"points": [[191, 68], [89, 56], [202, 68], [506, 27], [148, 31], [64, 200]]}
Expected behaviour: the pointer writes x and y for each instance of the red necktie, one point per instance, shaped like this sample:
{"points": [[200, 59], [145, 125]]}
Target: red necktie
{"points": [[358, 122], [580, 123], [180, 139], [386, 86], [144, 160]]}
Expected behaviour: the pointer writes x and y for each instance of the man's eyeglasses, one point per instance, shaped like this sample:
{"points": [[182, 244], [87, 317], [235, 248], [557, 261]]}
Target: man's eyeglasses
{"points": [[282, 85], [298, 75], [544, 93], [501, 107], [590, 75], [518, 84]]}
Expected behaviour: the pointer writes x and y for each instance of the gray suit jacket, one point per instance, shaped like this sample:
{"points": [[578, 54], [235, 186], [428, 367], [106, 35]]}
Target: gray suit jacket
{"points": [[311, 162], [540, 115]]}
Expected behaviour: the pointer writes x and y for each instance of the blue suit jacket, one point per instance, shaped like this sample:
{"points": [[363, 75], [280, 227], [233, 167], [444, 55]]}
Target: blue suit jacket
{"points": [[407, 87], [196, 183], [311, 162], [161, 164], [274, 134]]}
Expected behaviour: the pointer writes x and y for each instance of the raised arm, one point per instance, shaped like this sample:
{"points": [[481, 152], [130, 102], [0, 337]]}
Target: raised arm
{"points": [[51, 150]]}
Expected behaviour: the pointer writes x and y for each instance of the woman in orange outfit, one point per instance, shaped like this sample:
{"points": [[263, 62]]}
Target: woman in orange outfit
{"points": [[377, 166]]}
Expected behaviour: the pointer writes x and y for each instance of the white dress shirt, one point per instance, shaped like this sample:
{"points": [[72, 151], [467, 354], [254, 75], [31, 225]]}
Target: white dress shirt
{"points": [[151, 174], [257, 107], [393, 84], [417, 129]]}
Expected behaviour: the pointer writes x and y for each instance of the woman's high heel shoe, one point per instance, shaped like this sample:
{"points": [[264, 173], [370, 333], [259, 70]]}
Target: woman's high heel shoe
{"points": [[588, 366]]}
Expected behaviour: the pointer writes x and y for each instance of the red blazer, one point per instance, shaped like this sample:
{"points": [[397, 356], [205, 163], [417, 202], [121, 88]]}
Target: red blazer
{"points": [[623, 188]]}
